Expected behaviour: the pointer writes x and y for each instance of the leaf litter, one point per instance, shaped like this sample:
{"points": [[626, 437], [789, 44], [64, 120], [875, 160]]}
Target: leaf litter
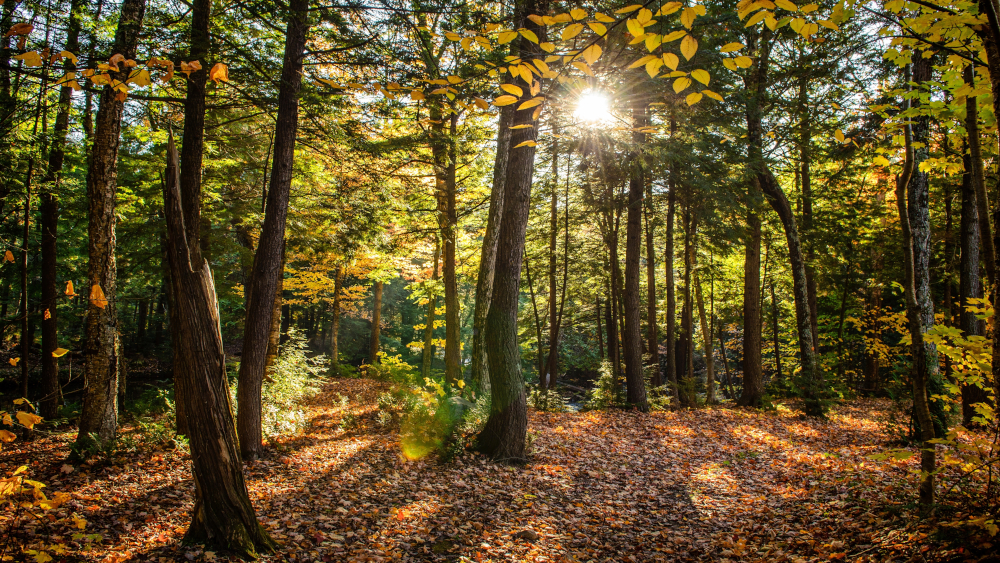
{"points": [[690, 485]]}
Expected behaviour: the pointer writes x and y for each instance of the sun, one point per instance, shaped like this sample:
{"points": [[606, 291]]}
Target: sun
{"points": [[593, 107]]}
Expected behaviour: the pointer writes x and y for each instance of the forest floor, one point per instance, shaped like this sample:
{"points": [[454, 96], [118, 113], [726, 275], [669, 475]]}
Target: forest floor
{"points": [[709, 484]]}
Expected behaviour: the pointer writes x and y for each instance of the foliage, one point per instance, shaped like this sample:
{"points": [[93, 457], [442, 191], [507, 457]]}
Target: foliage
{"points": [[546, 400], [606, 393], [294, 376]]}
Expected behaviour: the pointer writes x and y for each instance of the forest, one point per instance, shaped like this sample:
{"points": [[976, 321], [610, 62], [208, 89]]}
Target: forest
{"points": [[539, 280]]}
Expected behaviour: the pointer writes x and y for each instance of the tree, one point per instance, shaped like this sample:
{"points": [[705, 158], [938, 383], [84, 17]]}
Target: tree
{"points": [[267, 268], [102, 348]]}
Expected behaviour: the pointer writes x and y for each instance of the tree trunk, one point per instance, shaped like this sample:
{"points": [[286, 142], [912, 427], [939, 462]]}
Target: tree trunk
{"points": [[49, 208], [668, 259], [918, 203], [503, 436], [267, 268], [548, 381], [600, 331], [101, 346], [445, 155], [632, 337], [805, 141], [688, 398], [484, 282], [275, 332], [991, 42], [778, 372], [222, 512], [725, 364], [706, 332], [428, 356], [756, 85], [335, 323], [373, 345], [969, 283], [652, 332], [979, 178], [920, 370]]}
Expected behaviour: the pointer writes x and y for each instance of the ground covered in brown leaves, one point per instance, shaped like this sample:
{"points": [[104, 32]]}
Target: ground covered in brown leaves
{"points": [[708, 484]]}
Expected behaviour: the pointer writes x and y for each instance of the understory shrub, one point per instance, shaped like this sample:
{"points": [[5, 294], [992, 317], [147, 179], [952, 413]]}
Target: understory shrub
{"points": [[546, 400]]}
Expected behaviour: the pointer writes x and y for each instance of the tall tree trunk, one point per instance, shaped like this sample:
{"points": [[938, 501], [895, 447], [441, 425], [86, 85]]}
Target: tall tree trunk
{"points": [[920, 373], [101, 346], [275, 331], [335, 322], [706, 333], [725, 365], [688, 398], [779, 373], [373, 345], [548, 381], [652, 332], [600, 331], [428, 356], [49, 208], [267, 267], [969, 283], [668, 259], [805, 143], [632, 337], [990, 35], [918, 202], [445, 154], [484, 281], [503, 436], [979, 178], [222, 512]]}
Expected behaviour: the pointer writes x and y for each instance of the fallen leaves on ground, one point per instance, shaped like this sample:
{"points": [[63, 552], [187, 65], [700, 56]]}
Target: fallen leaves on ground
{"points": [[709, 484]]}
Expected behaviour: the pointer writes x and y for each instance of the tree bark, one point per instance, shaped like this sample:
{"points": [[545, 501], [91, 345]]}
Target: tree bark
{"points": [[969, 282], [101, 347], [779, 374], [373, 344], [428, 356], [652, 332], [503, 436], [991, 44], [335, 323], [979, 178], [222, 512], [635, 384], [51, 395], [484, 282], [805, 154], [706, 332], [267, 268], [668, 259], [443, 148], [548, 381]]}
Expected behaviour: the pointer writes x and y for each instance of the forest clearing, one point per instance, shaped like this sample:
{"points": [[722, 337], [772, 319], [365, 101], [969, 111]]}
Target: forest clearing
{"points": [[533, 280], [690, 485]]}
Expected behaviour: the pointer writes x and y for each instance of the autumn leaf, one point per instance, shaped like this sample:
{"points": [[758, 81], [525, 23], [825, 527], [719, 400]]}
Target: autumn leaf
{"points": [[27, 419], [689, 46], [8, 256], [525, 144], [219, 73], [69, 289], [59, 352], [97, 297], [19, 29]]}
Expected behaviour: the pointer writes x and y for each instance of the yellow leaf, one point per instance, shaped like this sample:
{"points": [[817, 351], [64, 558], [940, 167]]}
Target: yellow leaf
{"points": [[504, 101], [880, 161], [681, 83], [578, 14], [7, 436], [730, 47], [603, 18], [809, 8], [786, 5], [635, 28], [547, 47], [219, 73], [829, 24], [653, 67], [743, 62], [530, 103], [693, 98], [689, 46], [506, 36], [652, 42], [27, 419], [537, 19], [511, 89], [80, 522], [598, 29], [642, 61], [583, 67], [541, 65], [31, 58], [701, 76], [757, 18], [687, 17], [19, 29], [68, 55], [529, 35], [728, 63], [712, 95], [839, 135], [59, 352], [97, 297], [671, 60], [628, 9], [644, 16], [8, 256], [13, 361], [797, 24], [571, 31], [454, 79], [452, 36], [592, 53], [42, 557], [140, 78], [674, 36], [669, 8], [525, 126], [46, 315], [562, 18], [525, 144]]}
